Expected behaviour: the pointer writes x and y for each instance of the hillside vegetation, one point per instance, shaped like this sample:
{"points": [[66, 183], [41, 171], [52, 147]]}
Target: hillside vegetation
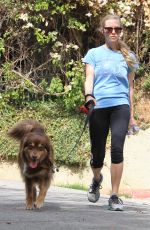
{"points": [[42, 44]]}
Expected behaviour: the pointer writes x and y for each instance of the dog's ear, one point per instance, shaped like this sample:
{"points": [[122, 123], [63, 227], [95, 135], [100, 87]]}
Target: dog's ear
{"points": [[51, 154], [21, 155], [50, 151]]}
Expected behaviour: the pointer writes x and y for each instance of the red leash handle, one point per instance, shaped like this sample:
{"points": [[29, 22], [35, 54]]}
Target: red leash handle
{"points": [[83, 109], [87, 107]]}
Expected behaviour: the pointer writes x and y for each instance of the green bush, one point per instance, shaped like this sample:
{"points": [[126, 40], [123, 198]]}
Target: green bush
{"points": [[146, 84], [63, 127]]}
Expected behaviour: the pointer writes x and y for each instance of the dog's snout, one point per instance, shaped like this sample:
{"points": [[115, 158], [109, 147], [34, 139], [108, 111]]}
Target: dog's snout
{"points": [[34, 158]]}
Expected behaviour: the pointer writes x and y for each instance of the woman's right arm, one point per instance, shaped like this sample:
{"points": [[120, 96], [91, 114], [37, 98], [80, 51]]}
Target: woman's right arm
{"points": [[89, 82]]}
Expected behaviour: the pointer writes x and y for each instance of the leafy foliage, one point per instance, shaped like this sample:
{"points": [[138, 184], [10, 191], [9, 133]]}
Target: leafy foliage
{"points": [[63, 127], [146, 85], [43, 40], [41, 48]]}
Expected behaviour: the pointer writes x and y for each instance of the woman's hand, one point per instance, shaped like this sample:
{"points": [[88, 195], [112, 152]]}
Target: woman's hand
{"points": [[88, 98], [132, 122], [133, 127]]}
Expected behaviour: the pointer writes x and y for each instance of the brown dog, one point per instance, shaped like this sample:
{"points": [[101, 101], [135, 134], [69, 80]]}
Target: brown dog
{"points": [[35, 160]]}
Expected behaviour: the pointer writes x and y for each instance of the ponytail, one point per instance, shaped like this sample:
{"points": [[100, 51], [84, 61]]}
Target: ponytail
{"points": [[128, 54]]}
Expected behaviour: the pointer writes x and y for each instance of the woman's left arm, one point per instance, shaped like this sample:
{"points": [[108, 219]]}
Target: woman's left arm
{"points": [[131, 94]]}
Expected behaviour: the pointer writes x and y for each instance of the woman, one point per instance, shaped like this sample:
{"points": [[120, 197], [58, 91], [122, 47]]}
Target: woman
{"points": [[109, 83]]}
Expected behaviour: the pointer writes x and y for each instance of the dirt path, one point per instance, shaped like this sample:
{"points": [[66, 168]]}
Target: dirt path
{"points": [[136, 175]]}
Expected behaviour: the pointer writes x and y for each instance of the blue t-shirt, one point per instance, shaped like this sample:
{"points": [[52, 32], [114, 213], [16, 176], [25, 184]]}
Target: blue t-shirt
{"points": [[111, 86]]}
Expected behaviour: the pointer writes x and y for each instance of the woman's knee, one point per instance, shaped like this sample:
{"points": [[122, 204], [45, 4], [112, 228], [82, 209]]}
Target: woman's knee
{"points": [[96, 161], [96, 164], [117, 156]]}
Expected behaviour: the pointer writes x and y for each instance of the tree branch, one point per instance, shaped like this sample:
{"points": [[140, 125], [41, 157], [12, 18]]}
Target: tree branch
{"points": [[37, 88]]}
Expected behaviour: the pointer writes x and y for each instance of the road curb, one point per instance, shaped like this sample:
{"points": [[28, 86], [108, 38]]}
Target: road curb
{"points": [[132, 193], [139, 193]]}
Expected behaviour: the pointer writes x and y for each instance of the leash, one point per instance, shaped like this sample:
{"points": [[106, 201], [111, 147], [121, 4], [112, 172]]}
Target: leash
{"points": [[87, 109]]}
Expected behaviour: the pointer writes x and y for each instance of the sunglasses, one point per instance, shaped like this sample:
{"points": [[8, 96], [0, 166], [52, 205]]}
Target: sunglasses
{"points": [[111, 29]]}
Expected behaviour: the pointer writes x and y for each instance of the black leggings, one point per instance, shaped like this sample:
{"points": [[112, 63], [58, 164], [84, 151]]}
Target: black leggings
{"points": [[117, 119]]}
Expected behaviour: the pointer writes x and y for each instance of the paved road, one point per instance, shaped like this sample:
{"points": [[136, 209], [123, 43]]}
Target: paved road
{"points": [[67, 209]]}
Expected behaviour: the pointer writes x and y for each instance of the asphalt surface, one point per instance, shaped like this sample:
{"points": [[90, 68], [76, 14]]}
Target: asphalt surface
{"points": [[68, 209]]}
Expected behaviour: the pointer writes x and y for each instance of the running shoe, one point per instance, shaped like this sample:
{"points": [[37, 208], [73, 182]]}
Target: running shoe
{"points": [[94, 193], [115, 203]]}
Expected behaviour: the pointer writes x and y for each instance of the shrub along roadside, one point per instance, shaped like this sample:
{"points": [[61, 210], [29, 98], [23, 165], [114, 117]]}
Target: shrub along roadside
{"points": [[62, 126]]}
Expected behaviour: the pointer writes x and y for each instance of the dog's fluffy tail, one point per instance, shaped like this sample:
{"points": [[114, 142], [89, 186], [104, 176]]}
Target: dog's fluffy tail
{"points": [[19, 130]]}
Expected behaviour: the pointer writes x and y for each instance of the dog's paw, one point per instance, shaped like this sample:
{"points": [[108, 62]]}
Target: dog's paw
{"points": [[29, 207], [38, 204]]}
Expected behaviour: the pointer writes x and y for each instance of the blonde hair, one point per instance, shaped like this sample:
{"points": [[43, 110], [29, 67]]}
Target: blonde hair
{"points": [[122, 46]]}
